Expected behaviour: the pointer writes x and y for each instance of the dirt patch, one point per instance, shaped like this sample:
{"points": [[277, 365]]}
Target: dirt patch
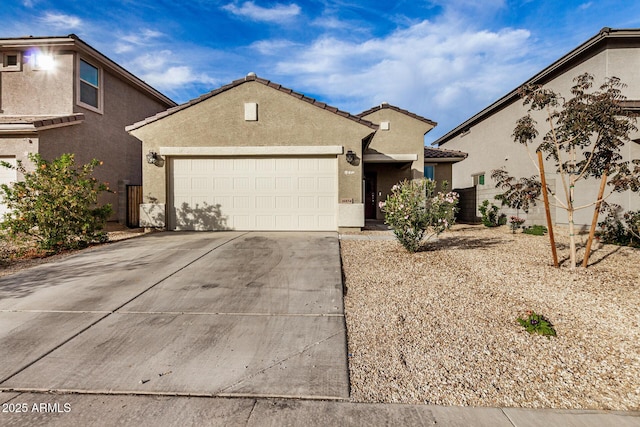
{"points": [[439, 326]]}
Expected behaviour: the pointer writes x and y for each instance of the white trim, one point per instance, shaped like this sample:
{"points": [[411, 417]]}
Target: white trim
{"points": [[100, 87], [390, 158], [292, 150], [17, 67]]}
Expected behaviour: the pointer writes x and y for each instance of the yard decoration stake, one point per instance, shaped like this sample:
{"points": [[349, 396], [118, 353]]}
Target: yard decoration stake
{"points": [[594, 221], [547, 211]]}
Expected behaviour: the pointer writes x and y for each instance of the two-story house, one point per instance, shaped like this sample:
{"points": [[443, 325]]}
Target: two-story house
{"points": [[487, 136], [59, 95]]}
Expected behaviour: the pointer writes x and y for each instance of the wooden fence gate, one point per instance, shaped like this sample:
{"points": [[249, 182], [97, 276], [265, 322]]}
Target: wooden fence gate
{"points": [[467, 206], [134, 199]]}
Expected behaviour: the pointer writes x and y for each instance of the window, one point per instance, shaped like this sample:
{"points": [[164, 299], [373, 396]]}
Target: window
{"points": [[90, 85], [478, 179], [11, 61], [429, 172]]}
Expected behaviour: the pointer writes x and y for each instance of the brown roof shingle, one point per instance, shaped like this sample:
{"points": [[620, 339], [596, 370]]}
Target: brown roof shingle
{"points": [[440, 153], [400, 110], [252, 78]]}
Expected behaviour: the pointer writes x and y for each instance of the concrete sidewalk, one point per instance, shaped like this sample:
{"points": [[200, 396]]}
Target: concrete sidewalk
{"points": [[109, 410]]}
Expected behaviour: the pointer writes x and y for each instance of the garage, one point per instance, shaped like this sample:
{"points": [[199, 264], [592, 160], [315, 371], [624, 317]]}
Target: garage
{"points": [[253, 193]]}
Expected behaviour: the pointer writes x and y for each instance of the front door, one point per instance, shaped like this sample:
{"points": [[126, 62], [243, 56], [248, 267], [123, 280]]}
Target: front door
{"points": [[370, 205]]}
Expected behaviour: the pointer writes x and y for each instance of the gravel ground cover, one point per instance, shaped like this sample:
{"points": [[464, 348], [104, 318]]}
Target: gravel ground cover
{"points": [[439, 326]]}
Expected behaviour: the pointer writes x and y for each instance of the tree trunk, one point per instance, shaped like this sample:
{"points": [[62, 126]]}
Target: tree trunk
{"points": [[572, 227], [572, 240]]}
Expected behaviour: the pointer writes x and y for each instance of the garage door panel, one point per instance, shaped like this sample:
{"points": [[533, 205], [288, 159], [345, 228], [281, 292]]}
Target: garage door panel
{"points": [[258, 193], [265, 203], [283, 184], [265, 183]]}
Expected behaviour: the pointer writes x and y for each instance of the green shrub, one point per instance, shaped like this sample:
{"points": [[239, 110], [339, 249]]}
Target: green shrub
{"points": [[413, 208], [537, 324], [535, 230], [56, 204], [491, 216], [617, 230]]}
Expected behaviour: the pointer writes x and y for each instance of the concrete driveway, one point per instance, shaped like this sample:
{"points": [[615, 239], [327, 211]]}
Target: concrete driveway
{"points": [[200, 314]]}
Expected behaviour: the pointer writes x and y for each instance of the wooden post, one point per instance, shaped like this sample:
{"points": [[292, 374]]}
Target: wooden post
{"points": [[594, 222], [548, 212]]}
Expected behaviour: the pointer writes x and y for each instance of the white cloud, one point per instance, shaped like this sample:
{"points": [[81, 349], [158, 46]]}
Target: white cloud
{"points": [[61, 21], [129, 42], [432, 69], [277, 13], [161, 70], [273, 47], [585, 6]]}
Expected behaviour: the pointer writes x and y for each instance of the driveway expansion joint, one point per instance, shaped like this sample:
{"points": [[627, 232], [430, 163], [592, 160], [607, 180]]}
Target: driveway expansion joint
{"points": [[81, 392]]}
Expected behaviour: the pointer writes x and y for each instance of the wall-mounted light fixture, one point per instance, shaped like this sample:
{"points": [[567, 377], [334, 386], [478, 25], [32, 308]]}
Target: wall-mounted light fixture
{"points": [[152, 158], [351, 157]]}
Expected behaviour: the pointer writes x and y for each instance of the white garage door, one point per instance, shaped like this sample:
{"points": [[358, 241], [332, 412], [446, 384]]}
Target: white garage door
{"points": [[7, 176], [253, 193]]}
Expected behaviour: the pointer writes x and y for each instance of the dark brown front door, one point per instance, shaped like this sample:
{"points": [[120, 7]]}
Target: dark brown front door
{"points": [[370, 204]]}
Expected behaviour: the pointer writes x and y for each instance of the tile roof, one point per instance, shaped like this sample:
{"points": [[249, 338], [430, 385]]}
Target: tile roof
{"points": [[399, 110], [41, 121], [251, 77], [440, 153]]}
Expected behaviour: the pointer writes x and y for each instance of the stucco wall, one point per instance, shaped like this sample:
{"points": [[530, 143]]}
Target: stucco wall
{"points": [[19, 147], [103, 136], [33, 92], [283, 120], [405, 136], [490, 144]]}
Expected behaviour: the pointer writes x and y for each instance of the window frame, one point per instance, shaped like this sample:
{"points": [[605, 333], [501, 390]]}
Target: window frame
{"points": [[433, 171], [99, 88], [5, 55], [478, 179]]}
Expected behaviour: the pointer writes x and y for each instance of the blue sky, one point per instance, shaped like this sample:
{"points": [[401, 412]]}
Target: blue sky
{"points": [[442, 59]]}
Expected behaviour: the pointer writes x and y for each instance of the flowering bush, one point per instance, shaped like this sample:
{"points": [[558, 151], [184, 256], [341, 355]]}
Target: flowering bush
{"points": [[515, 223], [414, 208], [56, 203]]}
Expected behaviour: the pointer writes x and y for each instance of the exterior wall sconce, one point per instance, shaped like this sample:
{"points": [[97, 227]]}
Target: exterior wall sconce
{"points": [[152, 158], [351, 157]]}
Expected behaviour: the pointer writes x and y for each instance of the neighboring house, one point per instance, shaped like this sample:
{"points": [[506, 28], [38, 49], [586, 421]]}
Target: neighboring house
{"points": [[487, 136], [253, 155], [59, 95]]}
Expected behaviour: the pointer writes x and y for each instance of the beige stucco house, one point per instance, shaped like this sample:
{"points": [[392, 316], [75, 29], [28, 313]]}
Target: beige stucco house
{"points": [[253, 155], [487, 136], [59, 95]]}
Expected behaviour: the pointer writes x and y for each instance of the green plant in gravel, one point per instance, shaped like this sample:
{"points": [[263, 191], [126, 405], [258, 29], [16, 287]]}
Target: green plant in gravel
{"points": [[414, 208], [56, 203], [537, 324], [536, 230], [623, 230], [490, 215]]}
